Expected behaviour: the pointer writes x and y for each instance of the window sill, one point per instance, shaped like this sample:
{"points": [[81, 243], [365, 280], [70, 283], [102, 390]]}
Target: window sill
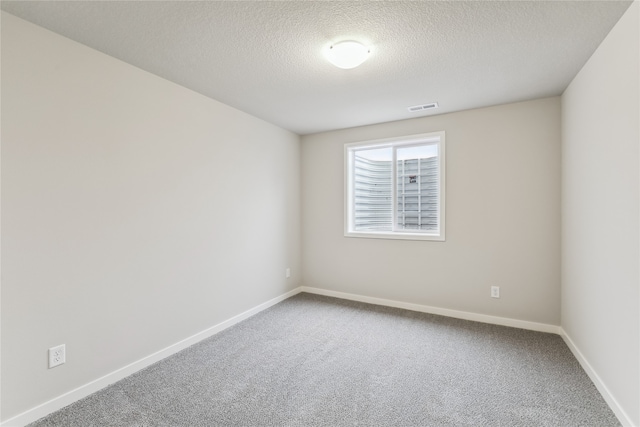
{"points": [[395, 235]]}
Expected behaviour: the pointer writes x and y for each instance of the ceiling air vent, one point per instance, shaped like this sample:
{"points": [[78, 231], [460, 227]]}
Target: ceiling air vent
{"points": [[417, 108]]}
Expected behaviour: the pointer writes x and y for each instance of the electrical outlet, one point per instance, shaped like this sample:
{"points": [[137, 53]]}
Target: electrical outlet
{"points": [[495, 292], [287, 273], [57, 356]]}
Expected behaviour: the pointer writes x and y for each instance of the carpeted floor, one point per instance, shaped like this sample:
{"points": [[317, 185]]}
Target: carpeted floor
{"points": [[319, 361]]}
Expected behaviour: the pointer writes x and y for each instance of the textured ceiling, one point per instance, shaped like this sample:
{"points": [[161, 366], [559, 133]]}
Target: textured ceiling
{"points": [[265, 58]]}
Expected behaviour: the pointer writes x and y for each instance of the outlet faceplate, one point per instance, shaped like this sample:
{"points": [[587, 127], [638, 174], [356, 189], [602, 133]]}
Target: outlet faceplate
{"points": [[57, 356], [495, 292], [287, 273]]}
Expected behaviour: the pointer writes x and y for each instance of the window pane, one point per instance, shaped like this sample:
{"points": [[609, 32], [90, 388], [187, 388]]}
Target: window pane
{"points": [[394, 188], [373, 200], [418, 198]]}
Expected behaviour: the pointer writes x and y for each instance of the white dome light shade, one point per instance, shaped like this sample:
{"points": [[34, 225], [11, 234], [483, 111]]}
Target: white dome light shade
{"points": [[347, 54]]}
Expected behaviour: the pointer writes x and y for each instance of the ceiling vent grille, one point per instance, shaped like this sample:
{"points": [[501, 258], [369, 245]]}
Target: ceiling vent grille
{"points": [[423, 107]]}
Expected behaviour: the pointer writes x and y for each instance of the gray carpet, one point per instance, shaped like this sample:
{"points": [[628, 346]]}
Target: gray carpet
{"points": [[318, 361]]}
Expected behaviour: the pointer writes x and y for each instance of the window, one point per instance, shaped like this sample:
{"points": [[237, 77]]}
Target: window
{"points": [[394, 188]]}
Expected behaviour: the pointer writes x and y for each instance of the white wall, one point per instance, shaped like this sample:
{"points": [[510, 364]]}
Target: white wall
{"points": [[502, 217], [135, 213], [601, 215]]}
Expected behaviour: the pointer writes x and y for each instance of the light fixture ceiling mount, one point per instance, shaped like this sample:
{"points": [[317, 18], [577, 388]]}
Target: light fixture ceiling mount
{"points": [[347, 54]]}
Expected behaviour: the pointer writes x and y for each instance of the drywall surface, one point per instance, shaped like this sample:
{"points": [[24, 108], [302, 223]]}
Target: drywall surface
{"points": [[600, 212], [502, 217], [135, 213]]}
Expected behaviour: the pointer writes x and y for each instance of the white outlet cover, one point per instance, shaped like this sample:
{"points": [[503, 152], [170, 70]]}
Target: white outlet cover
{"points": [[57, 356], [495, 292]]}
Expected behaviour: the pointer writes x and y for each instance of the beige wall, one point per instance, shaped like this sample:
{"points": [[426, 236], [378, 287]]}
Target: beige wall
{"points": [[601, 215], [502, 217], [135, 213]]}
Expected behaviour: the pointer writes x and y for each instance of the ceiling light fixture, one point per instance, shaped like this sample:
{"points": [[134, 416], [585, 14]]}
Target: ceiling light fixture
{"points": [[347, 54]]}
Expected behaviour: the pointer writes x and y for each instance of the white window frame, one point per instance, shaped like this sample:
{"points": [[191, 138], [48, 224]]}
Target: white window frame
{"points": [[435, 138]]}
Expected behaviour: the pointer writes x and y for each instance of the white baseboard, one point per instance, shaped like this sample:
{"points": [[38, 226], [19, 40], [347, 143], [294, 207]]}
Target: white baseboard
{"points": [[60, 402], [623, 417], [483, 318]]}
